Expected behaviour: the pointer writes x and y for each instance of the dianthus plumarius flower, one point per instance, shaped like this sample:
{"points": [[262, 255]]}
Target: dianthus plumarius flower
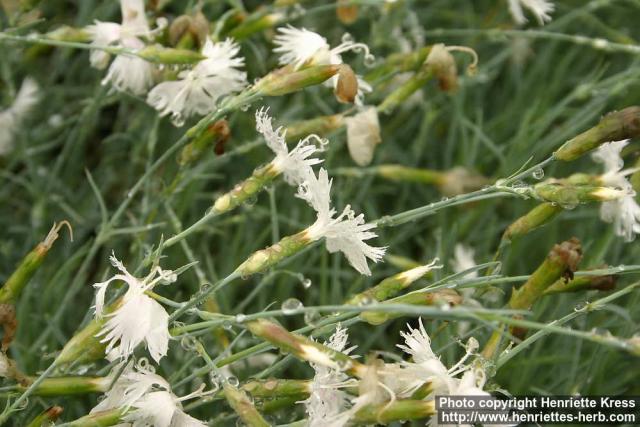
{"points": [[347, 232], [624, 212], [292, 164], [11, 117], [137, 318], [198, 90], [541, 9], [299, 46], [148, 400], [327, 400], [126, 73]]}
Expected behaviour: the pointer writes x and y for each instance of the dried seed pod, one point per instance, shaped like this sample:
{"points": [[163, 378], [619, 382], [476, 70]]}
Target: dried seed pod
{"points": [[347, 85]]}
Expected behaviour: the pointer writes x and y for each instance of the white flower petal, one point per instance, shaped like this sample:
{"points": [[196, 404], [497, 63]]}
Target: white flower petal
{"points": [[363, 135], [297, 46], [541, 9]]}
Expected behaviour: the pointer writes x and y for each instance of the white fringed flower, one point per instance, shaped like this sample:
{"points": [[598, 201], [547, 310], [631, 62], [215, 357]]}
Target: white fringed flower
{"points": [[11, 118], [623, 213], [198, 90], [463, 260], [540, 8], [294, 164], [326, 400], [407, 377], [126, 73], [345, 233], [148, 399], [138, 317], [300, 46], [363, 135]]}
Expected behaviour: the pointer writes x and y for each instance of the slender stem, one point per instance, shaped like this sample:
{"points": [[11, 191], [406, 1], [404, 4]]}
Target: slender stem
{"points": [[189, 230], [32, 387], [202, 294], [498, 34]]}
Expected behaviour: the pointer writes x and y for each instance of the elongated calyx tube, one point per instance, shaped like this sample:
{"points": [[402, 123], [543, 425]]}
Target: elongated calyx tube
{"points": [[583, 283], [168, 55], [562, 262], [391, 286], [570, 196], [304, 348], [443, 297], [266, 258], [246, 189], [285, 80], [242, 405], [47, 417], [536, 217], [614, 126], [396, 410]]}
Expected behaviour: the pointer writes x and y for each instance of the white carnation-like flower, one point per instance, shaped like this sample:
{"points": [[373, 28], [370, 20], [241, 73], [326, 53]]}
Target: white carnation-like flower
{"points": [[363, 135], [541, 9], [346, 232], [12, 117], [299, 46], [138, 318], [623, 213], [327, 400], [198, 90], [294, 164], [148, 400], [126, 73]]}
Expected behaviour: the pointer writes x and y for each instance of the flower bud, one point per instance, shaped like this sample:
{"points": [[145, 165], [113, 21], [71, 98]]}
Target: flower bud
{"points": [[347, 85], [242, 405], [284, 80], [167, 55], [188, 31], [583, 283], [569, 196], [443, 65], [347, 13], [266, 258], [536, 217], [246, 189], [615, 126], [304, 348]]}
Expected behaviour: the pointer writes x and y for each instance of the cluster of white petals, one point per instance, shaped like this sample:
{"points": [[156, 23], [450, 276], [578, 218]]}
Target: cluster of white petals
{"points": [[623, 213], [346, 232], [294, 164], [148, 400], [299, 46], [138, 318], [198, 90], [384, 382], [13, 116], [126, 73], [541, 9], [327, 400]]}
